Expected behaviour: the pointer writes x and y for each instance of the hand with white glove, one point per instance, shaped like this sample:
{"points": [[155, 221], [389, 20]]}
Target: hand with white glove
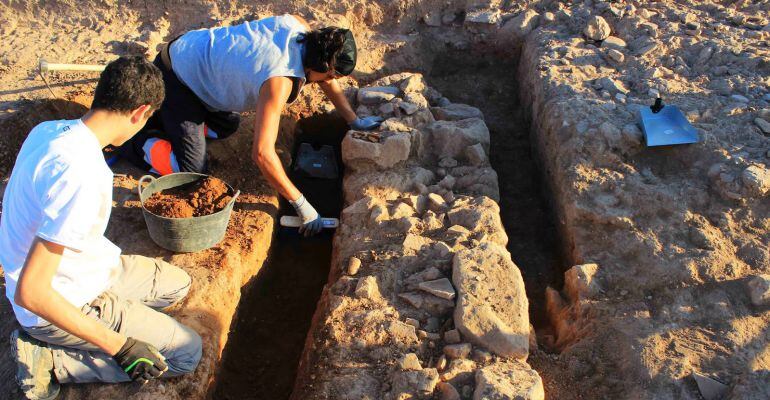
{"points": [[311, 220], [366, 123]]}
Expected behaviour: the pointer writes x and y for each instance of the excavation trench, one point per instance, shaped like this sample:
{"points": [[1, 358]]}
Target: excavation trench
{"points": [[489, 82], [274, 315]]}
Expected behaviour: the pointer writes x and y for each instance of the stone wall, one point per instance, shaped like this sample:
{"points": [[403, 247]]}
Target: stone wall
{"points": [[423, 297]]}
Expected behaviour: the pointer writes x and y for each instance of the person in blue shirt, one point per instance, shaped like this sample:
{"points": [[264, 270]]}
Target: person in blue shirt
{"points": [[211, 75]]}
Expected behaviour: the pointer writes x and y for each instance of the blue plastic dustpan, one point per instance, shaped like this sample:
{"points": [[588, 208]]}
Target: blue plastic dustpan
{"points": [[667, 126]]}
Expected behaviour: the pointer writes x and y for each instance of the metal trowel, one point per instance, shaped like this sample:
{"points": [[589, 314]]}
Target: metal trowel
{"points": [[666, 125]]}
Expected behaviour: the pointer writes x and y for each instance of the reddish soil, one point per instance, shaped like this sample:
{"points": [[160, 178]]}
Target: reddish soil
{"points": [[203, 197]]}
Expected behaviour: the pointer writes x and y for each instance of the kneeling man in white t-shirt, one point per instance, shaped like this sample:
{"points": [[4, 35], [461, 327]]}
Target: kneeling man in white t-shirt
{"points": [[88, 313]]}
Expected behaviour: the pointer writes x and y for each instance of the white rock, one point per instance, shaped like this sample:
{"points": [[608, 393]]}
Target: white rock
{"points": [[409, 362], [440, 287], [436, 203], [491, 308], [613, 42], [367, 288], [521, 25], [508, 380], [407, 383], [450, 138], [354, 264], [488, 17], [759, 290], [597, 29], [376, 94], [756, 179], [408, 108], [393, 148]]}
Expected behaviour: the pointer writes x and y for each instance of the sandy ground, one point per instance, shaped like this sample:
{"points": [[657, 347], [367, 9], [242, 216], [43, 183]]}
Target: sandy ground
{"points": [[676, 233]]}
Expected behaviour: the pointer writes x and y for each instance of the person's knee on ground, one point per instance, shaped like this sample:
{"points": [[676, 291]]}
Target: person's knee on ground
{"points": [[184, 352]]}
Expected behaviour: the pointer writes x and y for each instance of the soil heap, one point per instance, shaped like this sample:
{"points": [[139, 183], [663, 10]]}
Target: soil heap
{"points": [[202, 197]]}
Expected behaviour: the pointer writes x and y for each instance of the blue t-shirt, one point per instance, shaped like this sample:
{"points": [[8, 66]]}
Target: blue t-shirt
{"points": [[226, 67]]}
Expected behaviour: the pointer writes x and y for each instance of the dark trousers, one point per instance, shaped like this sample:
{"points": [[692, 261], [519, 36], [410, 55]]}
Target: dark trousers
{"points": [[180, 120]]}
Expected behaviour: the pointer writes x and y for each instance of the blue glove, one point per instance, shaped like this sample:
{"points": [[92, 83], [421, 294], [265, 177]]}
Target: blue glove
{"points": [[311, 220], [366, 123]]}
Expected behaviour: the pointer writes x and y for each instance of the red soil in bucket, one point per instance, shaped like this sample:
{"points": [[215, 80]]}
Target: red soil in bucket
{"points": [[203, 197]]}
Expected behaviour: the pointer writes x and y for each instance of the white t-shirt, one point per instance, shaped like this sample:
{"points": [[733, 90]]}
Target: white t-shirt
{"points": [[60, 190]]}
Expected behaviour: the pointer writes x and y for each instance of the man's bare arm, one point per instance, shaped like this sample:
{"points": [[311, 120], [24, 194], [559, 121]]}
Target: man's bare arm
{"points": [[272, 97], [335, 94], [35, 293]]}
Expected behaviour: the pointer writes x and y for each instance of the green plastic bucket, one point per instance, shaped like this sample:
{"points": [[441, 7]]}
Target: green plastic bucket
{"points": [[183, 235]]}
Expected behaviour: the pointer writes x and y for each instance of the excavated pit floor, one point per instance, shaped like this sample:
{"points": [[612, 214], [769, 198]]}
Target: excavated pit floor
{"points": [[268, 333]]}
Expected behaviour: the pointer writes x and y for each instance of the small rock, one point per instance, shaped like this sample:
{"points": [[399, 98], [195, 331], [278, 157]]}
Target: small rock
{"points": [[522, 24], [376, 94], [448, 182], [462, 350], [432, 19], [447, 162], [436, 203], [408, 108], [756, 179], [452, 336], [440, 287], [739, 98], [456, 112], [402, 333], [616, 55], [415, 299], [763, 125], [354, 264], [476, 155], [447, 391], [441, 363], [508, 380], [481, 356], [367, 288], [611, 85], [459, 370], [411, 321], [613, 42], [597, 29], [759, 290], [407, 382], [488, 17], [549, 17], [409, 362]]}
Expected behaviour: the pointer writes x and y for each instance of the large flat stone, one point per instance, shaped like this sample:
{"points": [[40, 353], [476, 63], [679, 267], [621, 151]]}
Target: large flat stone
{"points": [[492, 305], [507, 380], [480, 214], [450, 138], [359, 154]]}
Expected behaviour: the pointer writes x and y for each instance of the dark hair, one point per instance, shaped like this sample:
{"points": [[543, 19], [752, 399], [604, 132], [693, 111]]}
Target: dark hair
{"points": [[127, 84], [329, 48]]}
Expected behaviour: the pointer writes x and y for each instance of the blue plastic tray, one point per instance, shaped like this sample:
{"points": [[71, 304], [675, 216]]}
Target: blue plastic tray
{"points": [[667, 127]]}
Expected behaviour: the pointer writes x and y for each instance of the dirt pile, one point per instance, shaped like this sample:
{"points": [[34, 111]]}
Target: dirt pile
{"points": [[203, 197]]}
